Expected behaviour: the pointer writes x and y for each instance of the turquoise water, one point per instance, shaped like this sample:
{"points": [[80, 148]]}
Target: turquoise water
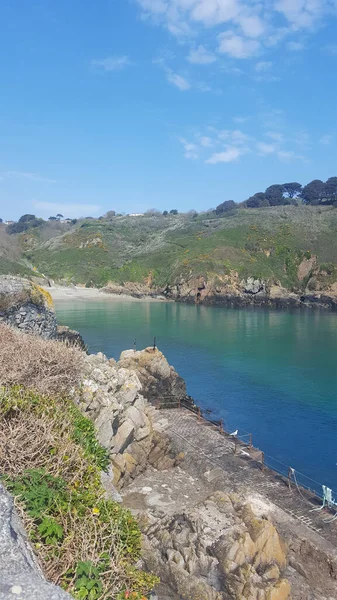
{"points": [[272, 373]]}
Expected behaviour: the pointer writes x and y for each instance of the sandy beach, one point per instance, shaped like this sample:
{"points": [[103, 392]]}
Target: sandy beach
{"points": [[59, 292]]}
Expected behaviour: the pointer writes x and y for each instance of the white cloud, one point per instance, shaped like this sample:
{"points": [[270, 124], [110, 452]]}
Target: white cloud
{"points": [[302, 14], [290, 155], [25, 175], [180, 82], [68, 210], [206, 141], [263, 66], [229, 155], [275, 135], [252, 26], [236, 136], [112, 63], [201, 56], [237, 46], [326, 139], [191, 150], [264, 148]]}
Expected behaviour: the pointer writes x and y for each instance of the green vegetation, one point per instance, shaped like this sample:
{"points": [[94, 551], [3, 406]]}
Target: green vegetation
{"points": [[159, 250], [52, 463]]}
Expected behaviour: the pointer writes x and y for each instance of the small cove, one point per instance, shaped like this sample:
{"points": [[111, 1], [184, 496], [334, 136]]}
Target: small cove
{"points": [[272, 373]]}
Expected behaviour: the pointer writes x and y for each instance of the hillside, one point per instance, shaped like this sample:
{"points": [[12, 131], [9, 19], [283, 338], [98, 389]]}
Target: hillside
{"points": [[186, 256]]}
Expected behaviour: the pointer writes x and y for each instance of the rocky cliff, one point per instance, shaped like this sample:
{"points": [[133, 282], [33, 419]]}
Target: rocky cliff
{"points": [[233, 290], [29, 307]]}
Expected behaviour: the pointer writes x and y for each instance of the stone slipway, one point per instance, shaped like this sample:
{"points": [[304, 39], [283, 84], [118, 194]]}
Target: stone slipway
{"points": [[210, 466]]}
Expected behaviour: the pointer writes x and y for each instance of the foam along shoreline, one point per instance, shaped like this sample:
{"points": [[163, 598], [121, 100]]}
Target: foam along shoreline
{"points": [[59, 292]]}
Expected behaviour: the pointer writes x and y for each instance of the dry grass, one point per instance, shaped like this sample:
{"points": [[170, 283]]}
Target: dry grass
{"points": [[50, 367], [45, 439]]}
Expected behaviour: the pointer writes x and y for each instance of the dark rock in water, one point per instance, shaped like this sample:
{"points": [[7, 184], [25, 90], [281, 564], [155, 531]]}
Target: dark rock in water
{"points": [[20, 575], [71, 337], [27, 306]]}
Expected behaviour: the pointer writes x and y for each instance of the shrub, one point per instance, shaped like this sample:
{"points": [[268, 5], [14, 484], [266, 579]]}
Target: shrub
{"points": [[44, 365], [87, 544]]}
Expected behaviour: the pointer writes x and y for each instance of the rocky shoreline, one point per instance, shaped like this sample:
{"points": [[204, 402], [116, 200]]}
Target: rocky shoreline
{"points": [[276, 297], [204, 533]]}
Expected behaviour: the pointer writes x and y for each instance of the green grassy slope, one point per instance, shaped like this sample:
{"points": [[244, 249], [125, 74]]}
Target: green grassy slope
{"points": [[268, 243]]}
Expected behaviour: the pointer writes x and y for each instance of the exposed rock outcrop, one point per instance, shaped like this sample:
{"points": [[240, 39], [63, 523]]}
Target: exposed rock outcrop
{"points": [[217, 550], [231, 290], [20, 575], [113, 397], [159, 380], [71, 337], [25, 305]]}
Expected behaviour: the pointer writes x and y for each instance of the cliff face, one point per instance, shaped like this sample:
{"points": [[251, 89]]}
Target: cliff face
{"points": [[27, 306], [232, 290]]}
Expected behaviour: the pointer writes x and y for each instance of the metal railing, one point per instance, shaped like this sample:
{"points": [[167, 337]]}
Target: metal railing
{"points": [[309, 489]]}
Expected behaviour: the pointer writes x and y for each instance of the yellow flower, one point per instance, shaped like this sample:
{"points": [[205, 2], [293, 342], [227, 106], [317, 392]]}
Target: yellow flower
{"points": [[95, 510]]}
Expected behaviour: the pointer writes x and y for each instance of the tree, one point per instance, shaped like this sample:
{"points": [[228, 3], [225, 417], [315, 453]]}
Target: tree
{"points": [[255, 201], [173, 211], [0, 220], [274, 195], [27, 218], [52, 218], [226, 206], [331, 190], [165, 213], [59, 216], [313, 192], [192, 213], [292, 189], [110, 214]]}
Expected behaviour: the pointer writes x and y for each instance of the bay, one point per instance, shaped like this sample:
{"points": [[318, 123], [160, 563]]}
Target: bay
{"points": [[271, 373]]}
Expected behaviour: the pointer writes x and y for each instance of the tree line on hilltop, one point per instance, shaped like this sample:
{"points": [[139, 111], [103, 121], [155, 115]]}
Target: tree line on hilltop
{"points": [[315, 193]]}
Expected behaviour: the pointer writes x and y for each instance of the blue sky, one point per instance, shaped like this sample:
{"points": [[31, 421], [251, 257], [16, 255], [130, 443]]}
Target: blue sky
{"points": [[129, 105]]}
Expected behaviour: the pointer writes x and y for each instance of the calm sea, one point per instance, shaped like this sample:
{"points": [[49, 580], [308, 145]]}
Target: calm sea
{"points": [[272, 373]]}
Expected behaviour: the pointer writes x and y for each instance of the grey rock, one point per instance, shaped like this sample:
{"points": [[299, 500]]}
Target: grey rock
{"points": [[27, 306], [20, 575]]}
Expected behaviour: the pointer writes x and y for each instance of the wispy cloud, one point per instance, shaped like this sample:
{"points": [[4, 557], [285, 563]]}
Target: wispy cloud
{"points": [[215, 145], [295, 46], [111, 63], [68, 210], [288, 155], [180, 82], [191, 150], [26, 175], [228, 155], [263, 66], [264, 148], [326, 139], [251, 25], [201, 56], [237, 46]]}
